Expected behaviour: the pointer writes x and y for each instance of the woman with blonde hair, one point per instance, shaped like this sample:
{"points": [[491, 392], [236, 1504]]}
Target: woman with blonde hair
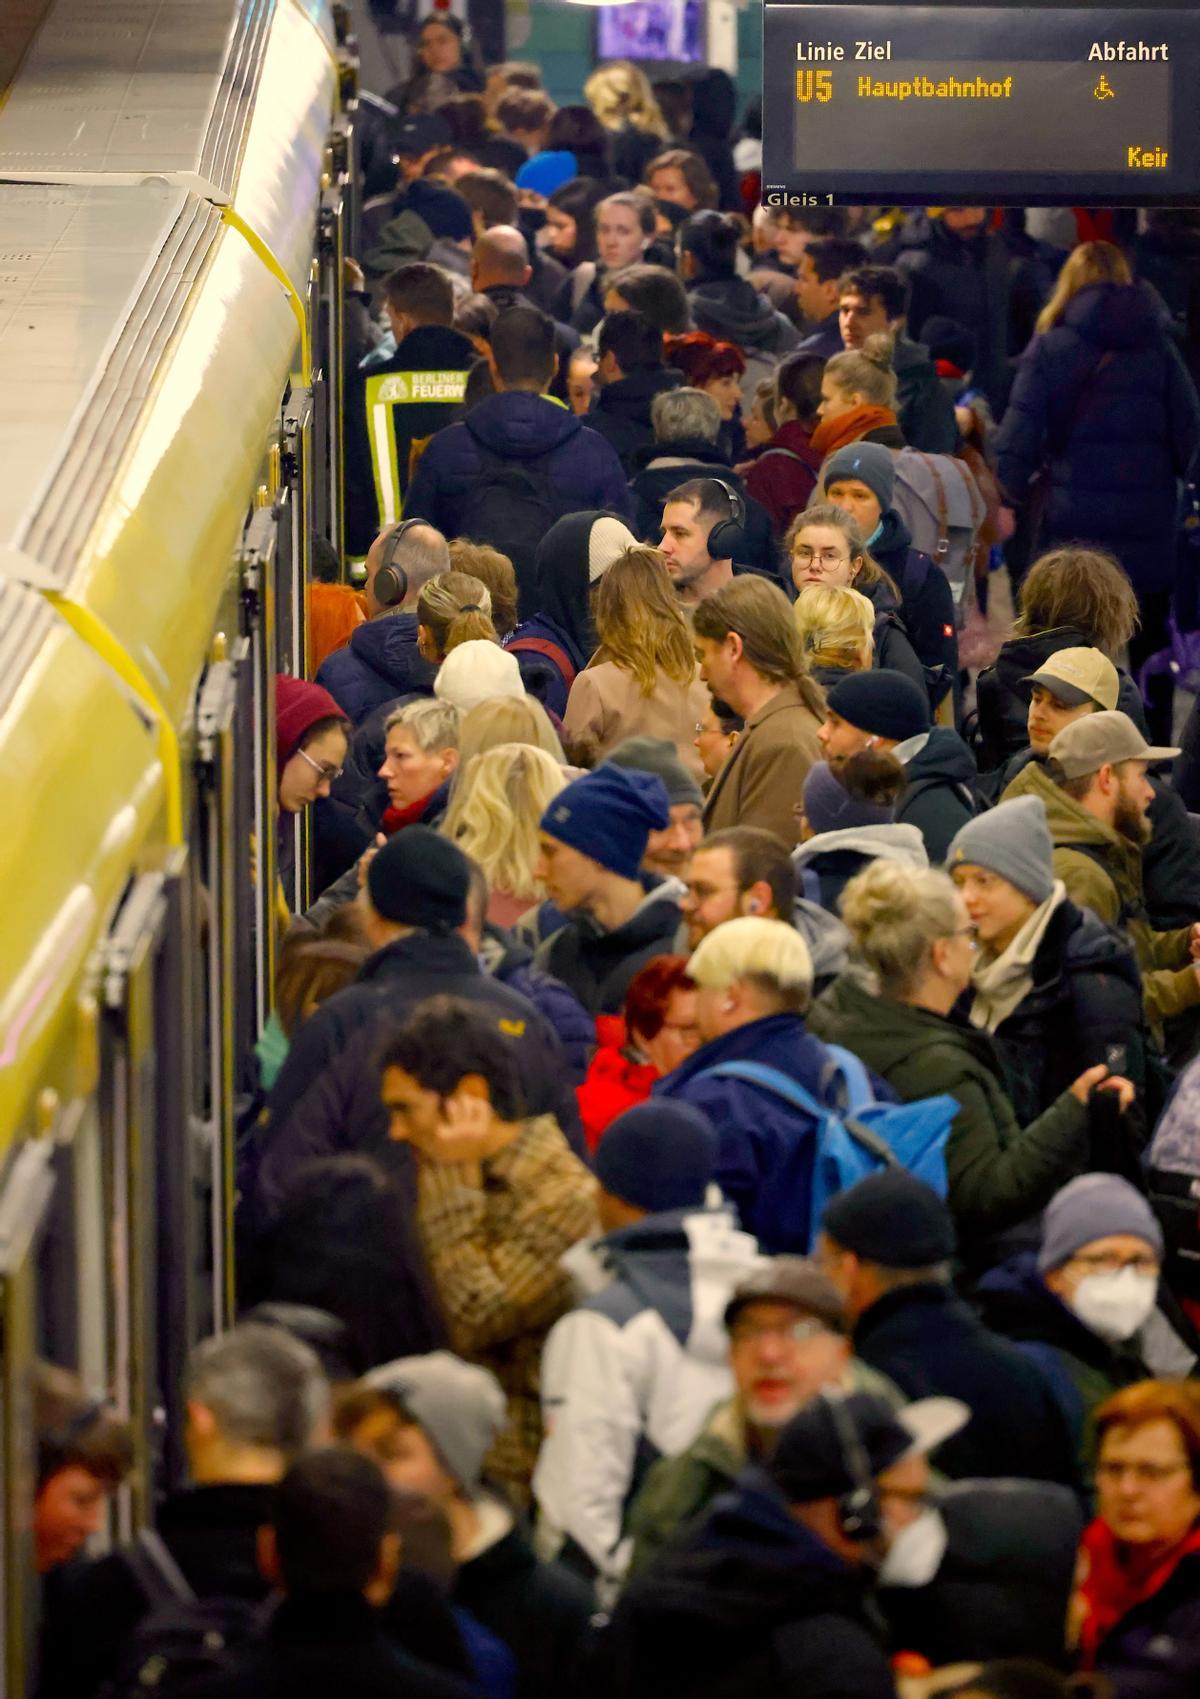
{"points": [[621, 97], [1101, 425], [507, 720], [826, 548], [837, 628], [913, 950], [453, 608], [493, 817], [496, 573], [858, 399], [641, 682]]}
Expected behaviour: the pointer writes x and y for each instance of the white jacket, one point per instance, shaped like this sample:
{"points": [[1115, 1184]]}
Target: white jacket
{"points": [[633, 1373]]}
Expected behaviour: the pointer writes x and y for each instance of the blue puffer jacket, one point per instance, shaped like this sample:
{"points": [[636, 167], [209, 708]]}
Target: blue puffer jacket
{"points": [[524, 428], [1104, 403], [380, 663], [765, 1159], [510, 962]]}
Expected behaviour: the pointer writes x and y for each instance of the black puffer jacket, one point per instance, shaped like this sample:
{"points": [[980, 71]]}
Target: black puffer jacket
{"points": [[1003, 705], [1002, 1588], [926, 600], [1085, 1007], [940, 795], [622, 411]]}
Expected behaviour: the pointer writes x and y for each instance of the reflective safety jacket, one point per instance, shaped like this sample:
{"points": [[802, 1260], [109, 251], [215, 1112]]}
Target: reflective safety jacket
{"points": [[396, 401]]}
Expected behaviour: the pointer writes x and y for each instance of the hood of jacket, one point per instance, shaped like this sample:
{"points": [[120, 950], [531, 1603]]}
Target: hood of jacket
{"points": [[645, 923], [630, 397], [714, 104], [827, 939], [518, 426], [734, 311], [1017, 1303], [893, 542], [687, 451], [891, 1033], [560, 573], [1071, 824], [682, 1263], [945, 756], [1116, 316], [751, 1565], [388, 646], [436, 345], [891, 842], [1020, 657]]}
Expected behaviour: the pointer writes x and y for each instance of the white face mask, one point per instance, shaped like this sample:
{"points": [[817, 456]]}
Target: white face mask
{"points": [[1115, 1305], [915, 1555]]}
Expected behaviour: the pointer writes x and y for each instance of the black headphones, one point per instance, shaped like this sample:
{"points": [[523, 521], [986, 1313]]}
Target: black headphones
{"points": [[859, 1511], [391, 581], [727, 539]]}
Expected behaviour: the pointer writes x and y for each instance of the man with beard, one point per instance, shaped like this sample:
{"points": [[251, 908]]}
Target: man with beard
{"points": [[787, 1340], [667, 852], [1096, 793]]}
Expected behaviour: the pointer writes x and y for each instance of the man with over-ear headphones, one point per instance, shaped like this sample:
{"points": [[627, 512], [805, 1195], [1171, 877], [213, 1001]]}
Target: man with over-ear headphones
{"points": [[701, 532], [765, 1595]]}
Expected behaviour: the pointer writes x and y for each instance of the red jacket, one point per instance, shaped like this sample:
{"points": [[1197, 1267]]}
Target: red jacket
{"points": [[615, 1082], [785, 474]]}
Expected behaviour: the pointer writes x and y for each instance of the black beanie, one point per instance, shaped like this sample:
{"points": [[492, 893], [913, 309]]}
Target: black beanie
{"points": [[420, 879]]}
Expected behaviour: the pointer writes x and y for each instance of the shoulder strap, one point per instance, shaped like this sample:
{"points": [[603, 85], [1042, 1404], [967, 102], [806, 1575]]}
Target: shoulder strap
{"points": [[156, 1571], [789, 452], [783, 1085], [582, 279], [552, 652], [770, 1079], [943, 508], [1080, 397], [855, 1076]]}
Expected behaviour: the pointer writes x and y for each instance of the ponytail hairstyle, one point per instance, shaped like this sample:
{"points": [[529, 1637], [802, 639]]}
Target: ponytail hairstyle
{"points": [[455, 608], [866, 371], [761, 616], [713, 240], [836, 626]]}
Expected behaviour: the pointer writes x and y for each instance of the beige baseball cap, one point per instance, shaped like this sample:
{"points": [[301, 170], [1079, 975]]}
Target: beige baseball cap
{"points": [[1076, 676], [1091, 743]]}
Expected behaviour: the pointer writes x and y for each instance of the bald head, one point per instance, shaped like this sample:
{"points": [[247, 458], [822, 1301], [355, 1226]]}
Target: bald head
{"points": [[500, 256], [421, 553]]}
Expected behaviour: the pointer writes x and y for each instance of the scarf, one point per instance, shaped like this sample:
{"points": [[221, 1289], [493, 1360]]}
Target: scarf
{"points": [[832, 434], [394, 819], [1111, 1579], [1003, 982]]}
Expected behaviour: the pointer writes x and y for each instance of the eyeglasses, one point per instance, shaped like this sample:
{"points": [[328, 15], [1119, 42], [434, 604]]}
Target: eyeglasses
{"points": [[701, 893], [794, 1333], [1145, 1474], [823, 557], [326, 772], [1106, 1262]]}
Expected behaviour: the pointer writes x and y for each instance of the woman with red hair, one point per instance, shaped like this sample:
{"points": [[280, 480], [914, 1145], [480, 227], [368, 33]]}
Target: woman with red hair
{"points": [[716, 369], [1135, 1611], [658, 1032]]}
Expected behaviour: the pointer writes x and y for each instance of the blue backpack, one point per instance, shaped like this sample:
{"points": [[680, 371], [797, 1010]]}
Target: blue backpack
{"points": [[863, 1137]]}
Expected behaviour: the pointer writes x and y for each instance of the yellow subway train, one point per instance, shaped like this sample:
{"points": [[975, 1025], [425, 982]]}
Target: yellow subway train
{"points": [[173, 188]]}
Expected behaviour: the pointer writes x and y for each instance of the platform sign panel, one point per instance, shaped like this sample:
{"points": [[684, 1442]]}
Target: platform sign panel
{"points": [[967, 105]]}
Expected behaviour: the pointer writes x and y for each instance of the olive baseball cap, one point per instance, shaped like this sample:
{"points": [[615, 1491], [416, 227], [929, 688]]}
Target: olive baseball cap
{"points": [[1076, 676], [1089, 744]]}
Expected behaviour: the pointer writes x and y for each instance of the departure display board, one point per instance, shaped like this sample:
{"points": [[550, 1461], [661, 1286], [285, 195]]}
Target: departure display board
{"points": [[962, 104]]}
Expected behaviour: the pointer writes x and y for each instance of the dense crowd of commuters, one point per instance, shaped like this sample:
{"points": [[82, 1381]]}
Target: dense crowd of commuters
{"points": [[720, 1213]]}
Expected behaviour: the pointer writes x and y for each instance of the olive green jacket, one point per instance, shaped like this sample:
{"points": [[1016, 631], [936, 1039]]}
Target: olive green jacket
{"points": [[677, 1489], [1114, 892], [999, 1173]]}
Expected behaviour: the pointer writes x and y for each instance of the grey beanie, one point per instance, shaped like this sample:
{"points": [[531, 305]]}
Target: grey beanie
{"points": [[1093, 1207], [1012, 840], [459, 1405], [658, 755]]}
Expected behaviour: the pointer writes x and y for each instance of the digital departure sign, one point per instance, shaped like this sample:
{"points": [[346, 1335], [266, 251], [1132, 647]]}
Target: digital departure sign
{"points": [[965, 104]]}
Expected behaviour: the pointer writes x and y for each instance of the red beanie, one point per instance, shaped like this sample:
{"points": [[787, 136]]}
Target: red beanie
{"points": [[298, 705]]}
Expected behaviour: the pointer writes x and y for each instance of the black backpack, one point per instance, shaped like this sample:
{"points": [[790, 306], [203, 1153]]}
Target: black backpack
{"points": [[511, 505], [182, 1637]]}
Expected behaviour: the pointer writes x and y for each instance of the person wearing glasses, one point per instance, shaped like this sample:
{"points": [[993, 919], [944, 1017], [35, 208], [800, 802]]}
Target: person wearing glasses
{"points": [[312, 740], [1135, 1612], [827, 549], [1078, 1303]]}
